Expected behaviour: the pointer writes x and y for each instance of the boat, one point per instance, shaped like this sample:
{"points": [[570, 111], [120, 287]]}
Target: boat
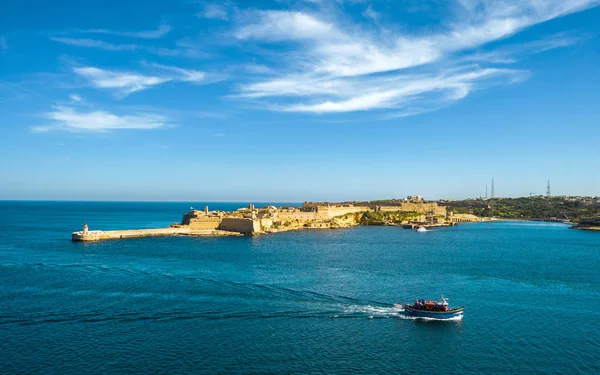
{"points": [[421, 229], [433, 309]]}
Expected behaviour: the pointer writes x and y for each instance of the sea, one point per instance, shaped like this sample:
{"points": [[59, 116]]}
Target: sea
{"points": [[300, 302]]}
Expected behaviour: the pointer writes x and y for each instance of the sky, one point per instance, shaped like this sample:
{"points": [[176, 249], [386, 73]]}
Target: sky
{"points": [[304, 100]]}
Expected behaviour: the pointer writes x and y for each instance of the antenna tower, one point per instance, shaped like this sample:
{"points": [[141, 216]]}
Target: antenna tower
{"points": [[548, 194], [493, 196], [485, 191]]}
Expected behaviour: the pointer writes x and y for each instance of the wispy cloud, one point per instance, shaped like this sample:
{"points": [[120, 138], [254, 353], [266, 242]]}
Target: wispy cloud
{"points": [[511, 53], [371, 14], [185, 75], [70, 119], [76, 98], [92, 43], [338, 67], [125, 83], [163, 30], [214, 11]]}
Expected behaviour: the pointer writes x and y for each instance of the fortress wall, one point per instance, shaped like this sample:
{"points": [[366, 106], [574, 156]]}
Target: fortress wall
{"points": [[266, 224], [189, 216], [204, 223], [331, 212], [424, 208], [458, 218], [416, 207], [297, 215], [391, 209], [240, 225]]}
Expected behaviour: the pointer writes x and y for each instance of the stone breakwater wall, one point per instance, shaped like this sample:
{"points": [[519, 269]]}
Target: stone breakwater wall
{"points": [[139, 233]]}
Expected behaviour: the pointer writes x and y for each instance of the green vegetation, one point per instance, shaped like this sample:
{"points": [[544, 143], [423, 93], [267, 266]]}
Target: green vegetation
{"points": [[528, 207], [374, 218]]}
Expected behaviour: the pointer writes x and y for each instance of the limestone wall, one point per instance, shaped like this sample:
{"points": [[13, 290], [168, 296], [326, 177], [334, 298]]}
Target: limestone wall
{"points": [[390, 209], [297, 215], [460, 218], [329, 212], [241, 225], [265, 224], [198, 224], [416, 207], [199, 220], [339, 211]]}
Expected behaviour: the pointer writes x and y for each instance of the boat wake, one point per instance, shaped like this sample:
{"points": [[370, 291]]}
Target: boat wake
{"points": [[386, 312], [187, 297]]}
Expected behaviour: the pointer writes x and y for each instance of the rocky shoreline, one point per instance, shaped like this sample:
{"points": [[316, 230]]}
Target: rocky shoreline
{"points": [[589, 223]]}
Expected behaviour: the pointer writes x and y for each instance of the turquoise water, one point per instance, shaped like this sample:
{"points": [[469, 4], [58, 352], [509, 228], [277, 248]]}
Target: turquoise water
{"points": [[298, 302]]}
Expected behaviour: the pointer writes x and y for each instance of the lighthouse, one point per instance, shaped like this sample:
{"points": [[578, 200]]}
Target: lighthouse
{"points": [[85, 228]]}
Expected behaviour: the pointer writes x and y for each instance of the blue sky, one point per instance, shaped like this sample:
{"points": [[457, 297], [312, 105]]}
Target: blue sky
{"points": [[298, 100]]}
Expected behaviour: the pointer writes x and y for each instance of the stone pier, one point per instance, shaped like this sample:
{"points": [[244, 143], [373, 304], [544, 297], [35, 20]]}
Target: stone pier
{"points": [[98, 235]]}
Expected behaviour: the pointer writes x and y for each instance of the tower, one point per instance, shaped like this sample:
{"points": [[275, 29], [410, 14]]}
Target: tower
{"points": [[493, 188], [486, 192], [548, 194]]}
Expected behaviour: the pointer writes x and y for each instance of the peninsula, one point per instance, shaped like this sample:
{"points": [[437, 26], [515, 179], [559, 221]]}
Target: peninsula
{"points": [[409, 213]]}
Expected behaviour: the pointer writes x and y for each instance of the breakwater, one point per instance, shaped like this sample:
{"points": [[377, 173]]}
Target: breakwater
{"points": [[98, 235]]}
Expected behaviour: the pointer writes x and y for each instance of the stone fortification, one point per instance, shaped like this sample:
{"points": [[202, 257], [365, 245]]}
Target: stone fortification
{"points": [[463, 218], [199, 220], [240, 225], [250, 221], [420, 207], [297, 215], [330, 212]]}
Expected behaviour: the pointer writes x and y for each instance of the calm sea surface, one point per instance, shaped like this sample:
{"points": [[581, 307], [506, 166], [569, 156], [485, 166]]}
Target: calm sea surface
{"points": [[299, 302]]}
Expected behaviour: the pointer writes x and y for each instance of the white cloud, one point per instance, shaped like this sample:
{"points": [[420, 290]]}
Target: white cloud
{"points": [[92, 43], [285, 25], [219, 135], [76, 98], [338, 67], [214, 11], [401, 90], [70, 119], [163, 30], [510, 54], [126, 83], [371, 14], [185, 75]]}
